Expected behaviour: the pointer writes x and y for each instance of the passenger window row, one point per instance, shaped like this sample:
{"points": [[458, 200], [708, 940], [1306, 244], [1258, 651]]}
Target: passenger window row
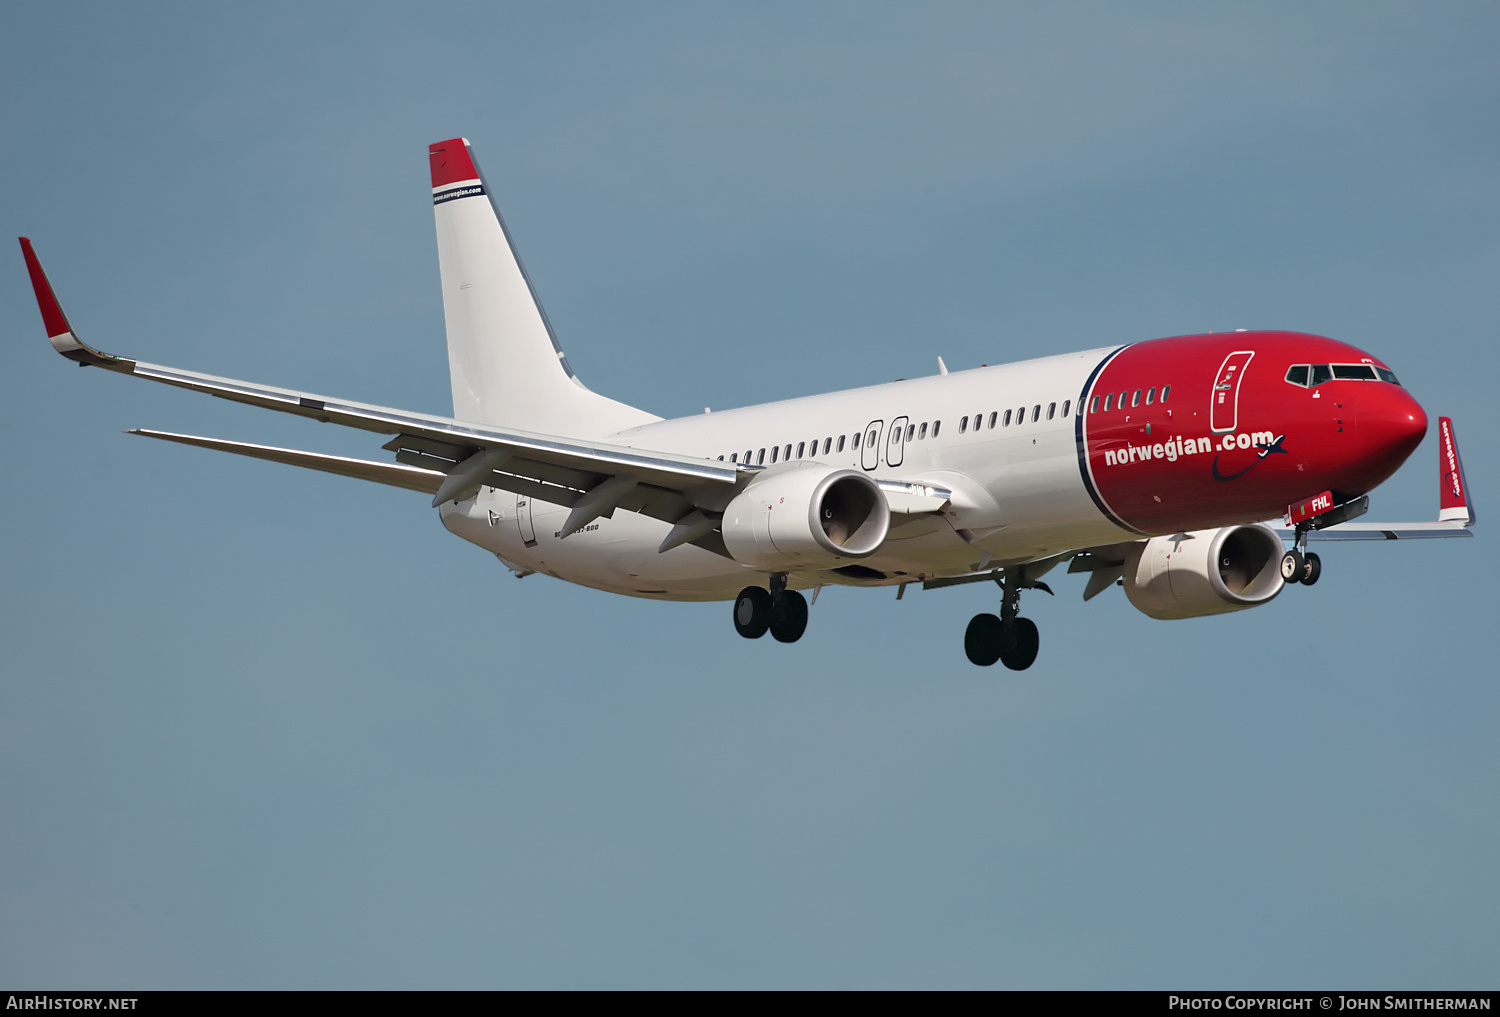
{"points": [[809, 449], [1118, 402], [805, 449], [1313, 375], [997, 419]]}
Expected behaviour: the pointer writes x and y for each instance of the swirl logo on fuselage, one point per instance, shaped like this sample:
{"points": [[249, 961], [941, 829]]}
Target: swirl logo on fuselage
{"points": [[1266, 448]]}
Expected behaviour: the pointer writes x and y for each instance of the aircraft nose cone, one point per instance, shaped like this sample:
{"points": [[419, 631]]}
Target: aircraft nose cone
{"points": [[1391, 425], [1402, 417]]}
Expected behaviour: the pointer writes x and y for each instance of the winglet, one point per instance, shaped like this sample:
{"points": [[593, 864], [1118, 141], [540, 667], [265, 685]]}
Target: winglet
{"points": [[59, 332], [1453, 486]]}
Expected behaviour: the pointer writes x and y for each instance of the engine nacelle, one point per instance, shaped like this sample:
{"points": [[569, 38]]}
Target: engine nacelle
{"points": [[806, 516], [1188, 575]]}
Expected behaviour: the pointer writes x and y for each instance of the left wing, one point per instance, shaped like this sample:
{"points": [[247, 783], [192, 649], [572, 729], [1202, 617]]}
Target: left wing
{"points": [[452, 458]]}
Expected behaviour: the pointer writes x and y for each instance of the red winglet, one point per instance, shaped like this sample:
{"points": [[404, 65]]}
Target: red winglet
{"points": [[1453, 486], [451, 162], [52, 312]]}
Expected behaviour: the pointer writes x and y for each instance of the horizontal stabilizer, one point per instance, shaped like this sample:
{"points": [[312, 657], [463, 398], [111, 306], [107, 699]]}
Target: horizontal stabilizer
{"points": [[413, 478]]}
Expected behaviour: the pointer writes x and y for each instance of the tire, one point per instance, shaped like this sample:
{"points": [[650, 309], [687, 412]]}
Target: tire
{"points": [[789, 617], [752, 612], [1292, 566], [1018, 651], [1312, 568], [982, 639]]}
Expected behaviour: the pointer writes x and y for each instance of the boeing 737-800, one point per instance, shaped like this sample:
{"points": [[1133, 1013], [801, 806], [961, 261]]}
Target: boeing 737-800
{"points": [[1151, 465]]}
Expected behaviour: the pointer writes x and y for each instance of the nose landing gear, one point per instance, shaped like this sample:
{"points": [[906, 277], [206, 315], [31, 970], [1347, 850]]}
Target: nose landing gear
{"points": [[1010, 639], [1297, 565], [781, 611]]}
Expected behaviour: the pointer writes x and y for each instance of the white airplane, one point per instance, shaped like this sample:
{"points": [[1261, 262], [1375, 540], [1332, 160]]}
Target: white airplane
{"points": [[1151, 465]]}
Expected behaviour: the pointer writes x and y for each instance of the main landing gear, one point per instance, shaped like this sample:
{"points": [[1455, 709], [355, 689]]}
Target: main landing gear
{"points": [[1300, 565], [781, 611], [1010, 639]]}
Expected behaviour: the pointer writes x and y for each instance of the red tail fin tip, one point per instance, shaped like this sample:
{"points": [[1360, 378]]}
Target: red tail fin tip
{"points": [[451, 163]]}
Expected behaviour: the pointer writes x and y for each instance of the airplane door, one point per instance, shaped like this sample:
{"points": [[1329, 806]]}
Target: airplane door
{"points": [[895, 442], [870, 454], [523, 520], [1224, 409]]}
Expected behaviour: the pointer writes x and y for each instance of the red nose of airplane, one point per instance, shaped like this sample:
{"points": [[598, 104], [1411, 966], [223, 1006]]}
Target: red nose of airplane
{"points": [[1391, 426]]}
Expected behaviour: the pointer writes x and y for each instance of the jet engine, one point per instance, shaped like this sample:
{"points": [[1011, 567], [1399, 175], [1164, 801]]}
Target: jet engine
{"points": [[1188, 575], [807, 516]]}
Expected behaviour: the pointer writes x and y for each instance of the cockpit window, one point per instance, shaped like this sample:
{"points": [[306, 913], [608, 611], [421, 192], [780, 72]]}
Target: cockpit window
{"points": [[1316, 374]]}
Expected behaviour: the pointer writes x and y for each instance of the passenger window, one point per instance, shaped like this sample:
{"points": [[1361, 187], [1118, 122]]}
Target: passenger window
{"points": [[1150, 395], [1165, 389], [1021, 415], [721, 459], [761, 460], [734, 457], [979, 421], [856, 441], [1051, 410], [963, 424], [747, 457], [1354, 372], [870, 438], [1094, 405], [828, 445], [1066, 404], [1135, 400], [800, 447], [935, 425], [1007, 418], [922, 432], [841, 443], [788, 453], [774, 449], [1109, 402], [992, 419], [1321, 373], [1036, 413], [911, 429], [1121, 403]]}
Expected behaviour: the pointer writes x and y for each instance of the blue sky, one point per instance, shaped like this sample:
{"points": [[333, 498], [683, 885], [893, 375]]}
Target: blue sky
{"points": [[265, 728]]}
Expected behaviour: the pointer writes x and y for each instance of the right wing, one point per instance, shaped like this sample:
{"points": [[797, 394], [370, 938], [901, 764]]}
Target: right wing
{"points": [[451, 458]]}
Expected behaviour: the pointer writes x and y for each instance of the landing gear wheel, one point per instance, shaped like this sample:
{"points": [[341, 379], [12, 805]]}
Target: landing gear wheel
{"points": [[1019, 645], [1292, 566], [982, 639], [1312, 568], [752, 612], [788, 617]]}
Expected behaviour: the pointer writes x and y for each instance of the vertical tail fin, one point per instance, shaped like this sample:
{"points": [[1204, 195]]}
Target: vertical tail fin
{"points": [[505, 362], [1453, 487]]}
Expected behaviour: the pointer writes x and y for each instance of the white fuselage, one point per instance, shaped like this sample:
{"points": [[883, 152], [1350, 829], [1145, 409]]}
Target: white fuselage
{"points": [[1017, 488]]}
